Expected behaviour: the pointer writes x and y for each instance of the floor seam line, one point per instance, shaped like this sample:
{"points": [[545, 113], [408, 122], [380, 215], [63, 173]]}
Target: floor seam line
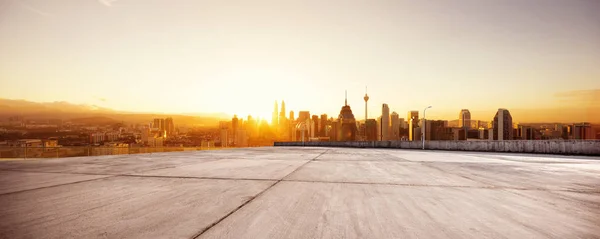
{"points": [[252, 199], [446, 186], [455, 174], [394, 156], [54, 172], [193, 177], [79, 173], [58, 185]]}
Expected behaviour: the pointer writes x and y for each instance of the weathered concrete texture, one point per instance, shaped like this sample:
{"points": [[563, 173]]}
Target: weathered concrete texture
{"points": [[372, 155], [326, 210], [302, 192], [123, 207], [378, 172], [267, 153], [536, 176], [21, 181], [567, 147], [233, 168], [117, 164]]}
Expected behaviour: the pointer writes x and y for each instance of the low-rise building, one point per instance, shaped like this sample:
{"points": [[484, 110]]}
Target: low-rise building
{"points": [[96, 138], [26, 143], [583, 131], [437, 130], [50, 143]]}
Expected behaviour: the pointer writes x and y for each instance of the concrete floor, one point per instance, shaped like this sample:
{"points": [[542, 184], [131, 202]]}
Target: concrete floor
{"points": [[302, 193]]}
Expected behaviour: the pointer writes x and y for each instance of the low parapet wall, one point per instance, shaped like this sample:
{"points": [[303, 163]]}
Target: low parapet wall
{"points": [[566, 147]]}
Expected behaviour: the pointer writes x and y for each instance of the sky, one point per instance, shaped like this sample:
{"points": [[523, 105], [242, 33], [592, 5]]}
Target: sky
{"points": [[238, 57]]}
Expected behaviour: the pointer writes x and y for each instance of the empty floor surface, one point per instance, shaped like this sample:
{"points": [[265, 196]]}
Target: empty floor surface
{"points": [[293, 192]]}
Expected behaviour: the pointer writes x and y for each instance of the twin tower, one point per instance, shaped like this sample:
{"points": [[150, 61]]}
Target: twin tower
{"points": [[278, 116]]}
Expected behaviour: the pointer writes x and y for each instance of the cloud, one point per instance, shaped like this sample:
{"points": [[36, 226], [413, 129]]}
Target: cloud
{"points": [[586, 103], [100, 98], [107, 3], [33, 9], [580, 96]]}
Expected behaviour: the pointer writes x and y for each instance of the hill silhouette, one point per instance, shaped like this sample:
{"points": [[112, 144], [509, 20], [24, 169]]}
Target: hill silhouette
{"points": [[92, 114]]}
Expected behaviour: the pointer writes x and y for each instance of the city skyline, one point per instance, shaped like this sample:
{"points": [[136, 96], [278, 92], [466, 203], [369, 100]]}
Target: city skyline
{"points": [[525, 56], [374, 113]]}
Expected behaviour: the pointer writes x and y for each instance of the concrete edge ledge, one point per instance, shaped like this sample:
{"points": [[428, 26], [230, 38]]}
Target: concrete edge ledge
{"points": [[559, 147]]}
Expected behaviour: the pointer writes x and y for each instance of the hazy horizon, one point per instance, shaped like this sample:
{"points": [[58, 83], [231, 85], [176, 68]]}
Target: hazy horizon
{"points": [[539, 59], [484, 115]]}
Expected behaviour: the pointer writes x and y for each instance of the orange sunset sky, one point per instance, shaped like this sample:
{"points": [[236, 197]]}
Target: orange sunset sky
{"points": [[538, 58]]}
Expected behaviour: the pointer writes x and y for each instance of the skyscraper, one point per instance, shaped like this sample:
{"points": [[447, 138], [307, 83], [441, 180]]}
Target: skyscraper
{"points": [[334, 134], [395, 128], [303, 116], [322, 125], [411, 130], [235, 122], [366, 98], [371, 130], [413, 116], [241, 140], [292, 119], [524, 132], [437, 130], [402, 123], [413, 122], [583, 131], [251, 127], [464, 119], [378, 128], [169, 127], [235, 127], [283, 124], [275, 119], [224, 127], [385, 122], [293, 133], [159, 124], [502, 126], [347, 124], [145, 134], [282, 112], [314, 130]]}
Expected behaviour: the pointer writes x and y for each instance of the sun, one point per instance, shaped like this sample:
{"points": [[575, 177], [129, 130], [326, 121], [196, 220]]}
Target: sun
{"points": [[257, 114], [261, 115]]}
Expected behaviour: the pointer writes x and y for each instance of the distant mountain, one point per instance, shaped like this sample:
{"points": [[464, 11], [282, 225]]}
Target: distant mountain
{"points": [[97, 120], [210, 115], [132, 118], [92, 114], [35, 109]]}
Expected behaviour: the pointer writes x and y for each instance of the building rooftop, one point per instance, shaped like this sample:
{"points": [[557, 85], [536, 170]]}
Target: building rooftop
{"points": [[287, 192]]}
